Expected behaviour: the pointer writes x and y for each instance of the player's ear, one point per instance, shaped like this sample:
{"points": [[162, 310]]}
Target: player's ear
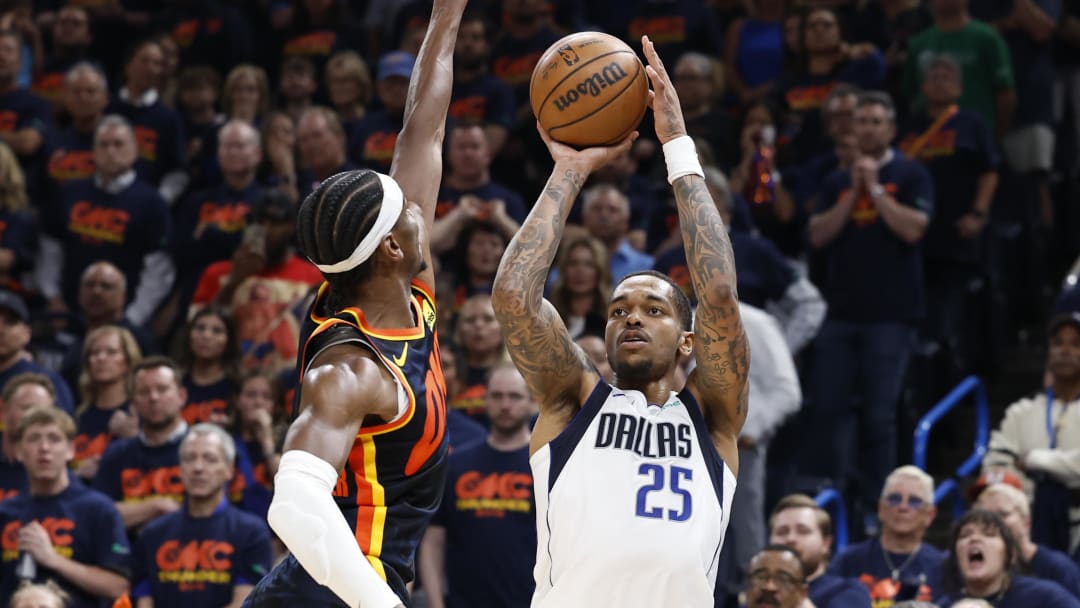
{"points": [[686, 347], [391, 248]]}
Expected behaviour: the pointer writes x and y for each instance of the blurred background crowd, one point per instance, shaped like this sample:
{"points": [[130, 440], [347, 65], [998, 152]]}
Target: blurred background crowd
{"points": [[900, 179]]}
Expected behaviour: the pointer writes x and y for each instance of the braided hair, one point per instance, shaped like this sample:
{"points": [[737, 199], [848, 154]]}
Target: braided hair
{"points": [[333, 220]]}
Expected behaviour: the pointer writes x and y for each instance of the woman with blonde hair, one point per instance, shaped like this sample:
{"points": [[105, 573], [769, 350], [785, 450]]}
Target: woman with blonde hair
{"points": [[581, 292], [20, 234], [108, 354], [246, 94], [348, 81]]}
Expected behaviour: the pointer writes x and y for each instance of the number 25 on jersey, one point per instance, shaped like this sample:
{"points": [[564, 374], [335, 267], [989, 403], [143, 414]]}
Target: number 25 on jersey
{"points": [[662, 479]]}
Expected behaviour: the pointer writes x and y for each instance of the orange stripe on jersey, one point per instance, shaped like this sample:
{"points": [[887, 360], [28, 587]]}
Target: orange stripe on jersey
{"points": [[428, 292], [318, 330], [371, 504], [408, 333], [324, 289], [435, 422]]}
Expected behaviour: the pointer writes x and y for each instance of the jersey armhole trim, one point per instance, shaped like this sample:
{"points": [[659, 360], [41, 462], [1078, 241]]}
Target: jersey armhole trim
{"points": [[713, 462], [563, 445]]}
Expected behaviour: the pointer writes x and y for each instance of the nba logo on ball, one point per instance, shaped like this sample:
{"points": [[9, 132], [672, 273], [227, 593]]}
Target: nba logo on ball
{"points": [[589, 89]]}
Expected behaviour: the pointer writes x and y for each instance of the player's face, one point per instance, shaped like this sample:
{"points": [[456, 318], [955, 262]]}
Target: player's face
{"points": [[775, 580], [643, 334], [509, 405], [410, 237], [1063, 360], [45, 451], [158, 397], [980, 553], [1000, 504], [905, 507], [106, 361], [798, 529], [209, 336], [203, 467]]}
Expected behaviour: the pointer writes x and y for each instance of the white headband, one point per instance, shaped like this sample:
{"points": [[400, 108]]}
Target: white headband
{"points": [[392, 203]]}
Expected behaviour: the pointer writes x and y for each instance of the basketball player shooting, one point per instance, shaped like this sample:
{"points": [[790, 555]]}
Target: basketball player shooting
{"points": [[634, 480], [364, 462]]}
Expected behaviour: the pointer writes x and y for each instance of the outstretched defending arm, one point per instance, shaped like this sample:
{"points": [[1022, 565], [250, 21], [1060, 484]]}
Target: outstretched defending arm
{"points": [[719, 382], [555, 368]]}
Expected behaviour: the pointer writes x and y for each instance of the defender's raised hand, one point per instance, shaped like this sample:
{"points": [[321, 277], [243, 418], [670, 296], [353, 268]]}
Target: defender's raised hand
{"points": [[663, 99]]}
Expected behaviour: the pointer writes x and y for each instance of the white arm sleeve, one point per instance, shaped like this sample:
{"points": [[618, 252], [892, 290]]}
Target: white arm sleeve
{"points": [[304, 516]]}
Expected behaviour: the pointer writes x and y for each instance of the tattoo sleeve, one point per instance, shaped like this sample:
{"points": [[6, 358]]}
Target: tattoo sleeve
{"points": [[721, 350], [535, 335]]}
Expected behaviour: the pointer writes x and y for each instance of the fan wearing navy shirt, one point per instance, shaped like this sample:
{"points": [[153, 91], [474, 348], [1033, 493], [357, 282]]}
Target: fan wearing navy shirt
{"points": [[207, 553], [483, 538], [478, 97], [71, 155], [371, 144], [527, 32], [982, 561], [23, 393], [15, 334], [18, 228], [73, 534], [209, 225], [898, 565], [867, 222], [158, 129], [1012, 506], [208, 33], [25, 118], [114, 217], [468, 194], [141, 474], [958, 149], [71, 40]]}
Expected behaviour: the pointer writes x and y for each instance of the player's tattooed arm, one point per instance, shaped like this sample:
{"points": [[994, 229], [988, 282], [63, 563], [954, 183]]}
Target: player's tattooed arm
{"points": [[555, 368], [535, 336], [723, 357], [721, 350]]}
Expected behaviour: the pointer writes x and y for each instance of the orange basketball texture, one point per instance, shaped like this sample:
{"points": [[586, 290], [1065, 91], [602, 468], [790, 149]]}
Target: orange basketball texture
{"points": [[589, 89]]}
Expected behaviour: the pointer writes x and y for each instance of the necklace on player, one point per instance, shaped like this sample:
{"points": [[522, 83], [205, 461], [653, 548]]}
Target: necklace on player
{"points": [[892, 568]]}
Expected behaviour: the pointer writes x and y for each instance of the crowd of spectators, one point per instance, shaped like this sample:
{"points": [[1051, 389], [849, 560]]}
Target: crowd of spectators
{"points": [[900, 182]]}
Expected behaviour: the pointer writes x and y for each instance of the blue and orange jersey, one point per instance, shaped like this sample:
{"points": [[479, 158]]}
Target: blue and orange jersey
{"points": [[393, 480]]}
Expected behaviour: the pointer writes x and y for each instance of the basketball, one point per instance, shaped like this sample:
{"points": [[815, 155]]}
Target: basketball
{"points": [[589, 89]]}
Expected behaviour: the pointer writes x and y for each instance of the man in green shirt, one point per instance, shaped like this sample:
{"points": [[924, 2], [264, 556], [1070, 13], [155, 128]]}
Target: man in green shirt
{"points": [[982, 54]]}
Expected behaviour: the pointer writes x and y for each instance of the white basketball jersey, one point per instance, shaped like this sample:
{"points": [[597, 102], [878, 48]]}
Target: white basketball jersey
{"points": [[632, 501]]}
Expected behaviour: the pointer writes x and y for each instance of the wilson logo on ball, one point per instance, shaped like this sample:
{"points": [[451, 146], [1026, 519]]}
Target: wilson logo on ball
{"points": [[591, 86]]}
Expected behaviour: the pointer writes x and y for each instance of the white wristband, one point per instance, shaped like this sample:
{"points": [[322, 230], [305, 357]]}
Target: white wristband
{"points": [[681, 157]]}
